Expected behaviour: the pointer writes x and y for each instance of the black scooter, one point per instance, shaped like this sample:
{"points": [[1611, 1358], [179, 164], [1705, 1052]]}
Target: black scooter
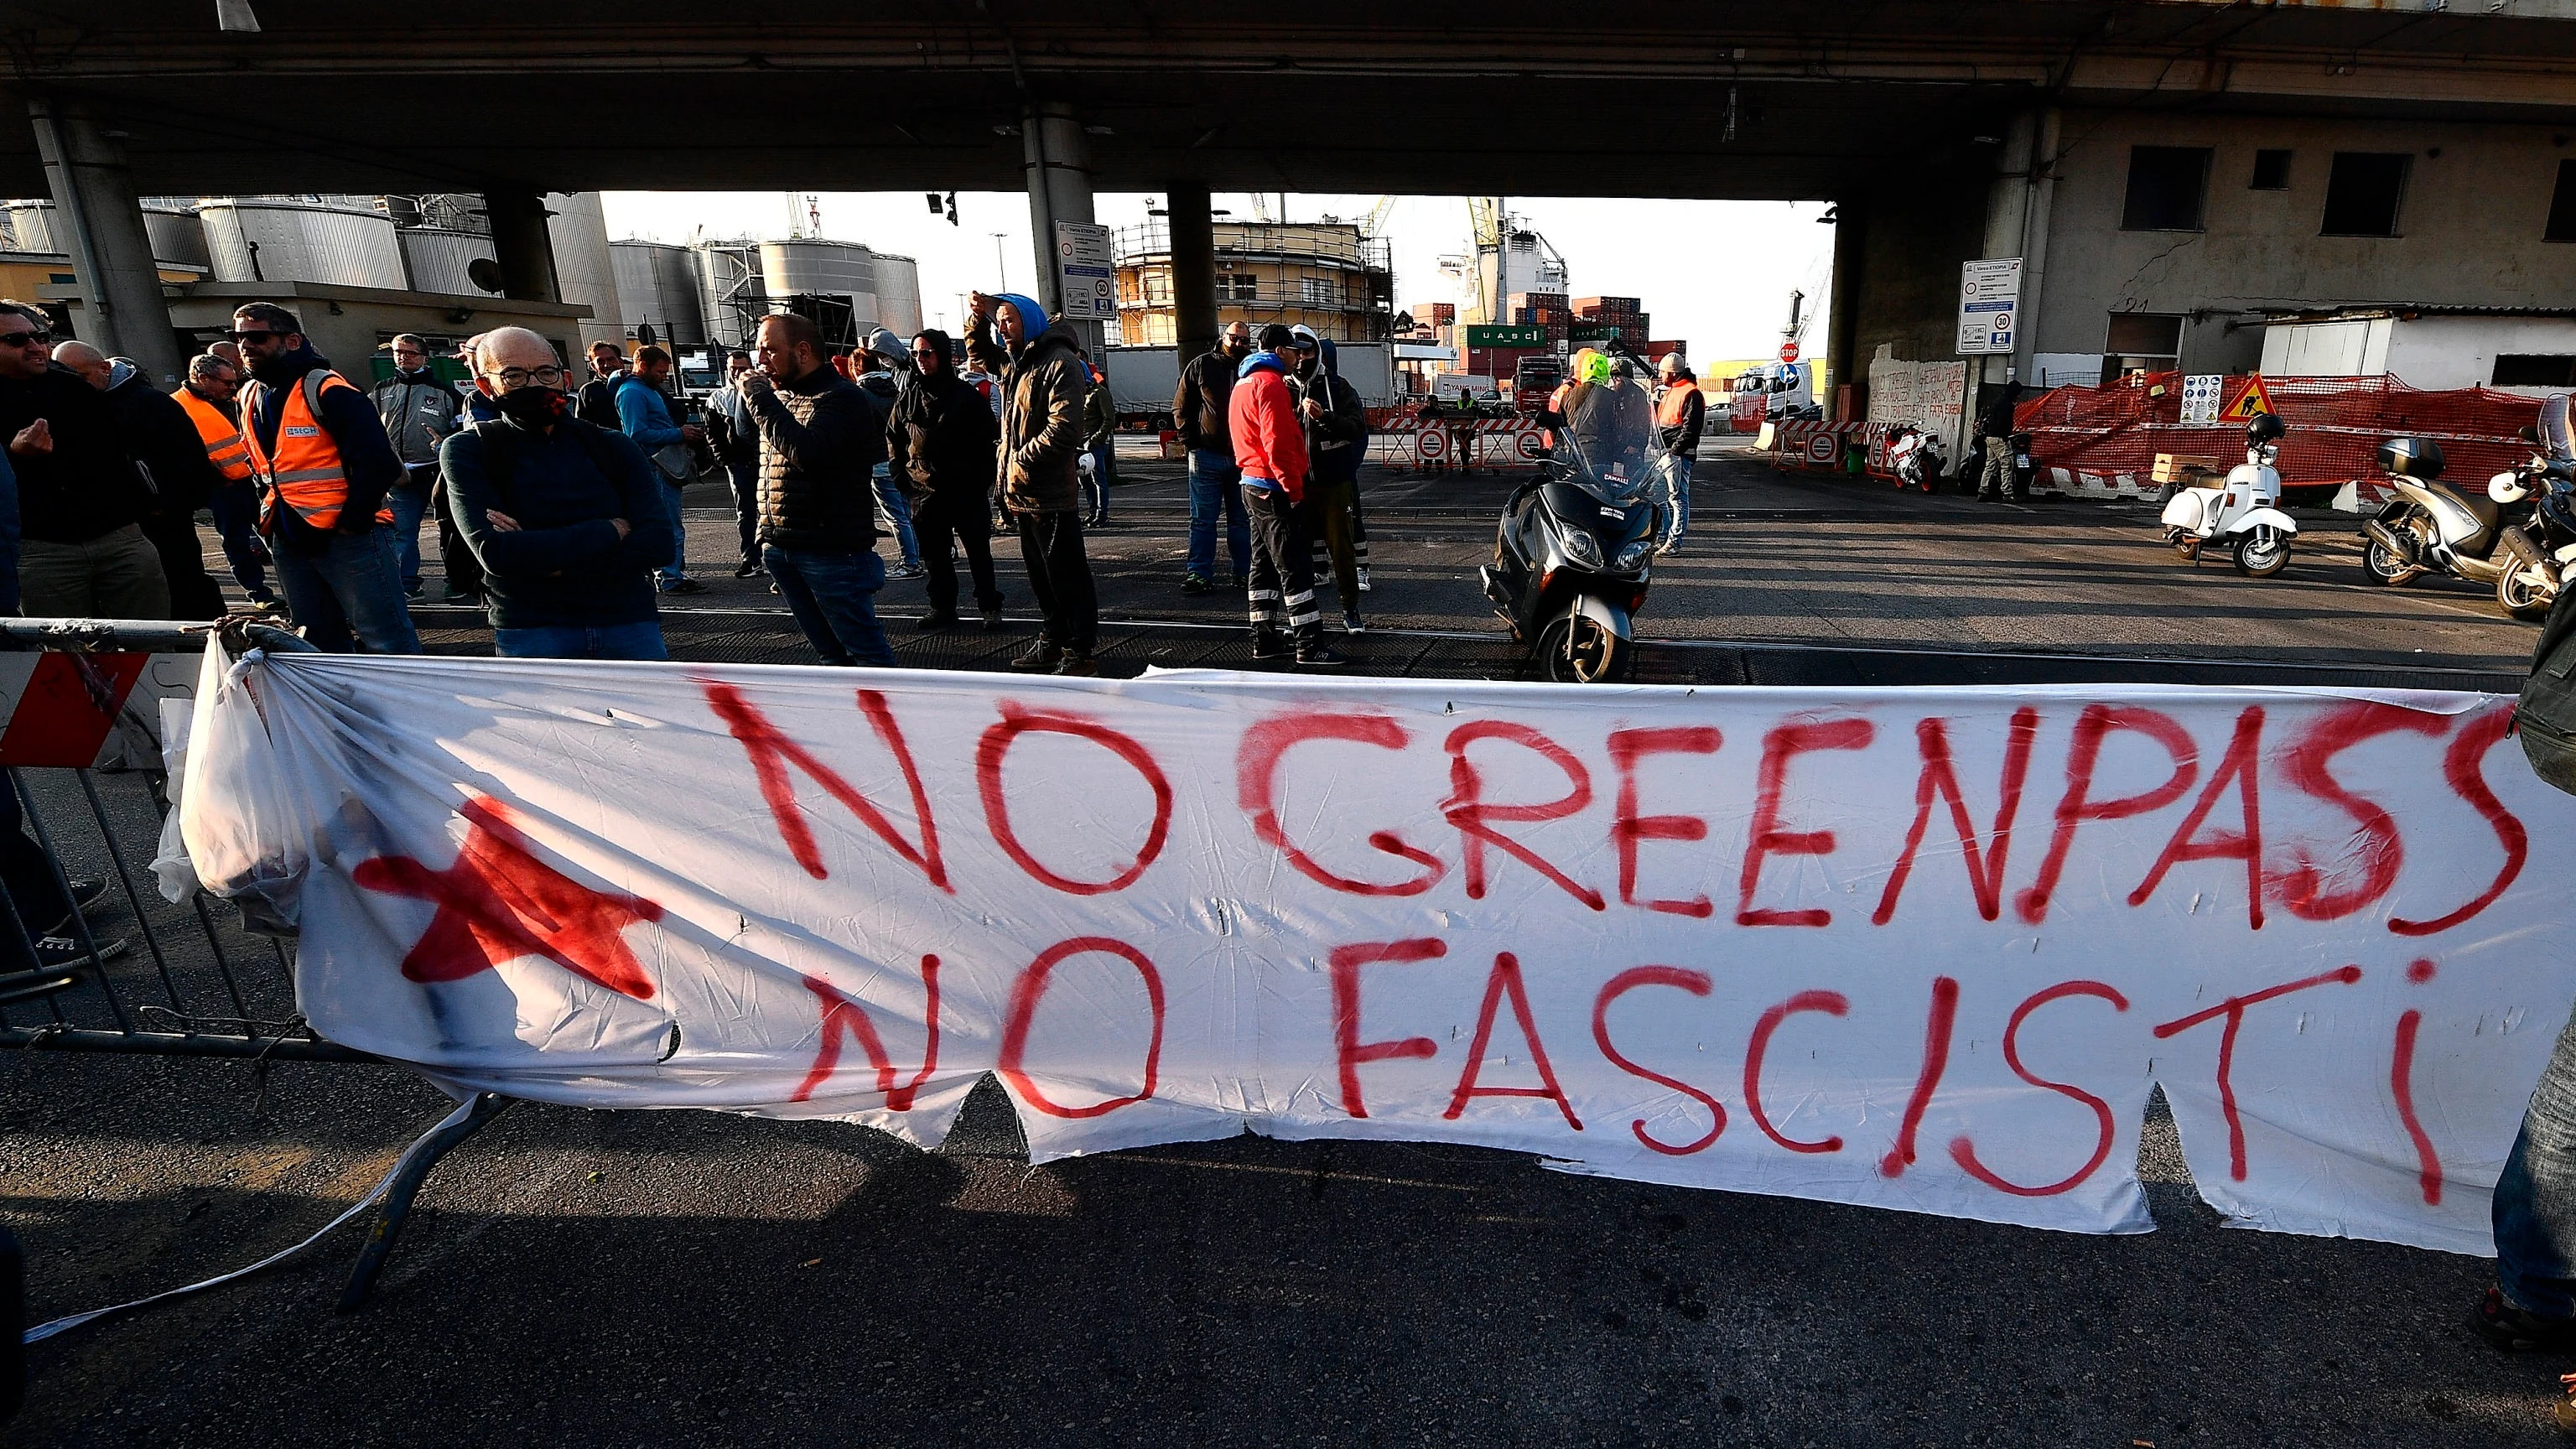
{"points": [[1572, 557]]}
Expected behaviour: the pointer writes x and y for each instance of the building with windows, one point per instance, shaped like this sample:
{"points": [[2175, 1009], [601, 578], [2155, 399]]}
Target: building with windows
{"points": [[2440, 251], [1331, 276]]}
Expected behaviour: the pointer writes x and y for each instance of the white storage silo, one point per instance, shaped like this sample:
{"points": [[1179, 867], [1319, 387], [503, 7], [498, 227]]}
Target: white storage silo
{"points": [[267, 239], [584, 275], [830, 273], [440, 260], [898, 294], [658, 283]]}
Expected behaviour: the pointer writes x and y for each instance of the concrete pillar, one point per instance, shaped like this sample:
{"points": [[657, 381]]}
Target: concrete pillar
{"points": [[1193, 232], [123, 313], [523, 246], [1842, 323], [2017, 226], [1057, 163]]}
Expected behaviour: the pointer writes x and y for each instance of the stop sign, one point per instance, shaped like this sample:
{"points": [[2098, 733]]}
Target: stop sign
{"points": [[1788, 352]]}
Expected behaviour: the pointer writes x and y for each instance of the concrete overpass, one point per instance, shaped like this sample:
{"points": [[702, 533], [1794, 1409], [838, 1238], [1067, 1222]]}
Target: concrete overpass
{"points": [[1939, 120]]}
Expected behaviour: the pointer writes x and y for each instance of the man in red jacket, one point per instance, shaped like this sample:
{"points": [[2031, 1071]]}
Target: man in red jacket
{"points": [[1270, 448]]}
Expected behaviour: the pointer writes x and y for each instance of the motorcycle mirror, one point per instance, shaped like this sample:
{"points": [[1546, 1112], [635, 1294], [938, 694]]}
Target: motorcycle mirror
{"points": [[2529, 434]]}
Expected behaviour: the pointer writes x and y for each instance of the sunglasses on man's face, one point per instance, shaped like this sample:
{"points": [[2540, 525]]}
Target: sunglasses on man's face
{"points": [[244, 339], [26, 339]]}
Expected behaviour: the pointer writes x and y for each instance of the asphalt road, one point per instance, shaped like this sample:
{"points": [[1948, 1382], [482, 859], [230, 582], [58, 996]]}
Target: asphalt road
{"points": [[578, 1278]]}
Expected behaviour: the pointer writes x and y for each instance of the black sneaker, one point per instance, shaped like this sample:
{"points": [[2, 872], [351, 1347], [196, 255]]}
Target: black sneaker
{"points": [[1197, 584], [414, 593], [1079, 664], [54, 953], [469, 597], [86, 891], [1351, 622], [1319, 653], [684, 586], [992, 620], [935, 619], [2515, 1329], [1269, 645], [746, 569], [1042, 658]]}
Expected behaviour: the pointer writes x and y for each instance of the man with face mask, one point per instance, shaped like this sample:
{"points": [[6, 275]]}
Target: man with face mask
{"points": [[1199, 410], [568, 519], [325, 467]]}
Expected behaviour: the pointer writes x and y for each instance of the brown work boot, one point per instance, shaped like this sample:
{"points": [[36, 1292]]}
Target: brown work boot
{"points": [[1042, 658], [1078, 663]]}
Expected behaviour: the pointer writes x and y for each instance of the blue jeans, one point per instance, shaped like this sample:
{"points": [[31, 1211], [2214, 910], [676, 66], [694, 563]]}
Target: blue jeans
{"points": [[354, 587], [236, 510], [2535, 1199], [1213, 477], [639, 640], [833, 596], [1677, 507], [410, 500], [897, 512], [678, 568]]}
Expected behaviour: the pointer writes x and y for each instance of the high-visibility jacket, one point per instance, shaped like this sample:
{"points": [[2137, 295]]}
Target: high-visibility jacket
{"points": [[223, 437], [306, 472]]}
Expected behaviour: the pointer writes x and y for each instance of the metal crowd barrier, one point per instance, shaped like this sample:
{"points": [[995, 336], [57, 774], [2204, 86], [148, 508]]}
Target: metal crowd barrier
{"points": [[80, 753]]}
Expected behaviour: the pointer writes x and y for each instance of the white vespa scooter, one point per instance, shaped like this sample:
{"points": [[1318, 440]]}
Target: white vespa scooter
{"points": [[2243, 510]]}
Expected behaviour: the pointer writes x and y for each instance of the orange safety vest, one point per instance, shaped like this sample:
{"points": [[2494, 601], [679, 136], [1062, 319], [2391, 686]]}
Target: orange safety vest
{"points": [[223, 437], [1669, 411], [306, 472]]}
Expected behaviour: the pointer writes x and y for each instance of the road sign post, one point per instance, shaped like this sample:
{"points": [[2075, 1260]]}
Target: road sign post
{"points": [[1086, 267], [1989, 298]]}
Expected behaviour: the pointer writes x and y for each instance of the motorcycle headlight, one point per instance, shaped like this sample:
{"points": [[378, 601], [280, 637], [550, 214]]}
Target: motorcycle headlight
{"points": [[1581, 549], [1634, 555]]}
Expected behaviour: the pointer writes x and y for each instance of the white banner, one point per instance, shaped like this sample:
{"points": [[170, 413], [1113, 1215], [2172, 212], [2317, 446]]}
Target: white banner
{"points": [[1917, 948]]}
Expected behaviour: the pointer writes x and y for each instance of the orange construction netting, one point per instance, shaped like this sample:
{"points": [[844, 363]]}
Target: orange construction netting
{"points": [[2335, 425]]}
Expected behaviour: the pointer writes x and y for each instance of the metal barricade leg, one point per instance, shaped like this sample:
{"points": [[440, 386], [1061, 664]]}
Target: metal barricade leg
{"points": [[396, 1209]]}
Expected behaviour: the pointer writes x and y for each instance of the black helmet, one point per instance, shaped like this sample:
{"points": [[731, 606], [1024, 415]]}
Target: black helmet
{"points": [[2266, 428]]}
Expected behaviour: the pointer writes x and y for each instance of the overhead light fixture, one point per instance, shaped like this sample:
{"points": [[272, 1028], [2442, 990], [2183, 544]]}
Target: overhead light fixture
{"points": [[235, 16]]}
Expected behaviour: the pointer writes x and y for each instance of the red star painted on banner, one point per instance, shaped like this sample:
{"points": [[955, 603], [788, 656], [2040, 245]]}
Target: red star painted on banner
{"points": [[498, 902]]}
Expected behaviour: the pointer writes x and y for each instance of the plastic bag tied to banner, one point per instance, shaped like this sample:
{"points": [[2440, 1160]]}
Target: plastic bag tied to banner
{"points": [[1927, 949]]}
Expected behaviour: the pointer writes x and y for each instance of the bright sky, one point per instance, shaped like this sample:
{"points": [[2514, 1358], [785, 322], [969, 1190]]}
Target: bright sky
{"points": [[1716, 274]]}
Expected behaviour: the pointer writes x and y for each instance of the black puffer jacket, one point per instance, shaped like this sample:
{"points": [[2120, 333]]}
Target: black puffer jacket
{"points": [[1198, 404], [820, 441], [940, 438]]}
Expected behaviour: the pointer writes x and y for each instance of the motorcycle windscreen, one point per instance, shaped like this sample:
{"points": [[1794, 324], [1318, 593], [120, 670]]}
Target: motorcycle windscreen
{"points": [[1611, 434]]}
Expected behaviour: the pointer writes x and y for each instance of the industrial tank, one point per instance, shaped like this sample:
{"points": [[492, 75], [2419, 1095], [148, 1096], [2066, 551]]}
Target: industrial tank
{"points": [[584, 276], [898, 294], [658, 283], [266, 239], [439, 259], [842, 273], [178, 238]]}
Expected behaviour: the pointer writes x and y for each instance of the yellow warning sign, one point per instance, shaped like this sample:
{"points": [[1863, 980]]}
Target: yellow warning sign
{"points": [[2253, 401]]}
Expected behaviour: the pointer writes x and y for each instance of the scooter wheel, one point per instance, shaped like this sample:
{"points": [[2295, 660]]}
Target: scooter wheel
{"points": [[2523, 595], [2260, 557], [2187, 548]]}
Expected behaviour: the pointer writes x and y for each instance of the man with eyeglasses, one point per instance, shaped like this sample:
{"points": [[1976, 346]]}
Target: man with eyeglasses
{"points": [[208, 396], [418, 410], [325, 467], [569, 520], [82, 552]]}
